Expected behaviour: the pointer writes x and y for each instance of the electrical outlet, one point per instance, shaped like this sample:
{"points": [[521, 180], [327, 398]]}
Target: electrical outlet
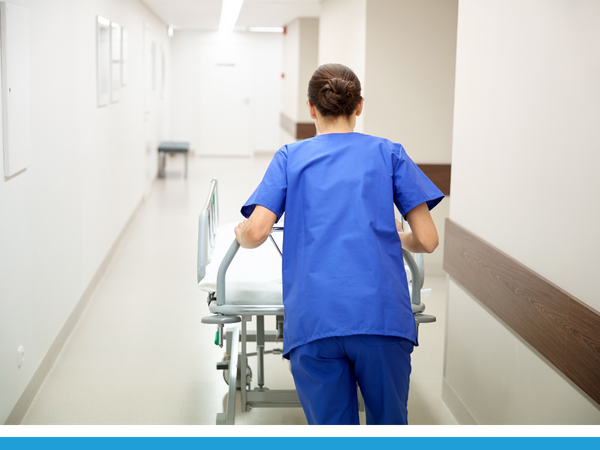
{"points": [[20, 356]]}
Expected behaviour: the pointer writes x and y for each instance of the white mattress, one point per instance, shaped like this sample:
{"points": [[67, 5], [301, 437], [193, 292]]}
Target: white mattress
{"points": [[254, 276]]}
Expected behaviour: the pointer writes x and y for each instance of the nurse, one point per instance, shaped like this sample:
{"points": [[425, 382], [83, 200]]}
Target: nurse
{"points": [[348, 317]]}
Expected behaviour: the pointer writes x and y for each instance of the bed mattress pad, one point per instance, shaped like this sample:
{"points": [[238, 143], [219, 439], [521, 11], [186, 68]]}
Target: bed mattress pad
{"points": [[254, 275]]}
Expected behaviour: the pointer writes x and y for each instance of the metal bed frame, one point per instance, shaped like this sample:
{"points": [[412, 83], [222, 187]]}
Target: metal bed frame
{"points": [[236, 317]]}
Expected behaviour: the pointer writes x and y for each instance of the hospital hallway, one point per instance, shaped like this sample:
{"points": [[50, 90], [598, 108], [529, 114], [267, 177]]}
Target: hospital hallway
{"points": [[139, 354], [100, 312]]}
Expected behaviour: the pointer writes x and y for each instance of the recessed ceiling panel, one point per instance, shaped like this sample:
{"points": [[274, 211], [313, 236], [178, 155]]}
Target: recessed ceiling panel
{"points": [[256, 13], [205, 14]]}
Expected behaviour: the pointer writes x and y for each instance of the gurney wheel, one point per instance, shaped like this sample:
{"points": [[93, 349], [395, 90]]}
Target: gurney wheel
{"points": [[239, 378]]}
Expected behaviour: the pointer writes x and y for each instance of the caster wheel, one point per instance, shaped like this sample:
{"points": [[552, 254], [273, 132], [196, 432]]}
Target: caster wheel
{"points": [[238, 383]]}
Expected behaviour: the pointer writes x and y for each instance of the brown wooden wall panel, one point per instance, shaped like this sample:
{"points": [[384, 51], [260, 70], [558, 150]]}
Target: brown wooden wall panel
{"points": [[305, 130], [583, 348], [299, 130], [439, 174], [559, 326]]}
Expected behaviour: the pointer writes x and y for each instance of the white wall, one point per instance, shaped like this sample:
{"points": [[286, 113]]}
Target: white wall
{"points": [[266, 91], [342, 32], [524, 178], [308, 63], [291, 71], [342, 38], [265, 84], [410, 62], [300, 59], [60, 217]]}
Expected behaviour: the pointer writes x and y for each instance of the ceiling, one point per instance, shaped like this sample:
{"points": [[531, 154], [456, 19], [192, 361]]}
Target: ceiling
{"points": [[205, 14]]}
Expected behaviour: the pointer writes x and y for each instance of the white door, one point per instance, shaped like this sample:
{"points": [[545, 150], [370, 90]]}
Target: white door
{"points": [[223, 100]]}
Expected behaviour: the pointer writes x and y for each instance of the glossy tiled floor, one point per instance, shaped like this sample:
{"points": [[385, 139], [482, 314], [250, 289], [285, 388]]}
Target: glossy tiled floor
{"points": [[140, 355]]}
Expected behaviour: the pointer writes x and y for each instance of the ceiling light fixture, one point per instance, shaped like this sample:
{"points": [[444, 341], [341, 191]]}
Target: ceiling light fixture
{"points": [[266, 29], [229, 14]]}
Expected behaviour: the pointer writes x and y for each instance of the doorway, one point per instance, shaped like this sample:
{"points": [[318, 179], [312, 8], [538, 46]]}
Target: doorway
{"points": [[222, 116]]}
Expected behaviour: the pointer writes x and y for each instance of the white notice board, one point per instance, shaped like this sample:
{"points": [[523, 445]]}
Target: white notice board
{"points": [[16, 87]]}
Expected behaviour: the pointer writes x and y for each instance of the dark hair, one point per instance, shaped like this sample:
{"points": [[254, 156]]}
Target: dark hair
{"points": [[334, 90]]}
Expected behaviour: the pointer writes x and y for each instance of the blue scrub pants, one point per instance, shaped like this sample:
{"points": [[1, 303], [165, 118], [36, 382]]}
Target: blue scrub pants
{"points": [[326, 372]]}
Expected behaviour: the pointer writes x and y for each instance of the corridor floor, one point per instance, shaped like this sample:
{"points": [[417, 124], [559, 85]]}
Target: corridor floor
{"points": [[139, 354]]}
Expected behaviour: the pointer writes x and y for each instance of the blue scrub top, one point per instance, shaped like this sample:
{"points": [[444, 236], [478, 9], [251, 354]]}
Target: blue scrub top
{"points": [[343, 272]]}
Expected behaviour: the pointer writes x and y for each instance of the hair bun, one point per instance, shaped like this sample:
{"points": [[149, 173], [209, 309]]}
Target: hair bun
{"points": [[341, 87], [335, 90], [337, 96]]}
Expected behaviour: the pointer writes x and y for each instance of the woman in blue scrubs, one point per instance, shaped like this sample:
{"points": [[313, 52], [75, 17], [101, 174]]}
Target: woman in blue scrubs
{"points": [[348, 317]]}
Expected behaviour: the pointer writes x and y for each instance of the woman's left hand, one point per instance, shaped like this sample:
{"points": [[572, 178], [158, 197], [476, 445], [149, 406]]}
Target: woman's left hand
{"points": [[238, 228], [254, 231]]}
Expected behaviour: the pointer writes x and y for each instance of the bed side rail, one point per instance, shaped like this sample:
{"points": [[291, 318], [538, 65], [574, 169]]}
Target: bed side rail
{"points": [[417, 271], [207, 229], [233, 249]]}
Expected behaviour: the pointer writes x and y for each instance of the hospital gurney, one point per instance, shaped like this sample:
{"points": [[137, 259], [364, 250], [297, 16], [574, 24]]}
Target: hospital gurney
{"points": [[253, 288]]}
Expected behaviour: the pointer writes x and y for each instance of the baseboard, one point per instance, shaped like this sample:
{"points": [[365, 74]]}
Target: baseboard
{"points": [[456, 406], [20, 409]]}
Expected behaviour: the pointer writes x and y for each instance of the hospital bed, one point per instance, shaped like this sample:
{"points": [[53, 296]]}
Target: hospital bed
{"points": [[243, 283]]}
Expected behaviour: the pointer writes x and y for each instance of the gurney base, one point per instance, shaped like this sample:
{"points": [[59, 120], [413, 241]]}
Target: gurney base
{"points": [[280, 398], [222, 419]]}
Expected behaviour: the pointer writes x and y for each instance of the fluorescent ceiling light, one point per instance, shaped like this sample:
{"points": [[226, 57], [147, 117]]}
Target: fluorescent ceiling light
{"points": [[229, 14], [266, 29]]}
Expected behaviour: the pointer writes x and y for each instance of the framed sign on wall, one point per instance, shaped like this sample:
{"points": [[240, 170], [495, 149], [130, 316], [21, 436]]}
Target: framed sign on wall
{"points": [[16, 88]]}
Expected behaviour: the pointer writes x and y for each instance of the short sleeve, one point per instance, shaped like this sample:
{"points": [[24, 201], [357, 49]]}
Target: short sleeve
{"points": [[272, 190], [411, 185]]}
